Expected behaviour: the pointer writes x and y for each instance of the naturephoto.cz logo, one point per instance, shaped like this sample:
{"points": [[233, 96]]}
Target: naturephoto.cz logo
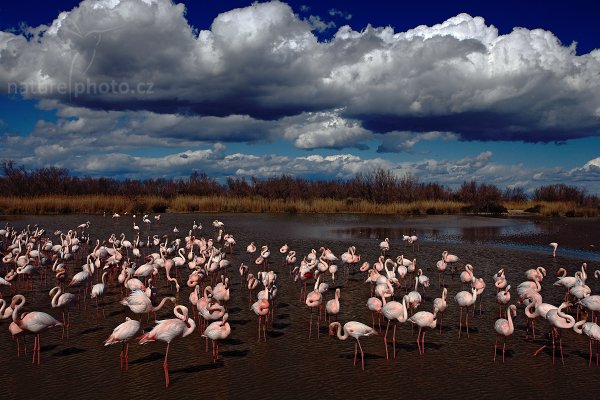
{"points": [[76, 82]]}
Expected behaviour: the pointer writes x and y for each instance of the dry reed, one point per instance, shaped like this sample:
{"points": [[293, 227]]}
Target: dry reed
{"points": [[99, 204]]}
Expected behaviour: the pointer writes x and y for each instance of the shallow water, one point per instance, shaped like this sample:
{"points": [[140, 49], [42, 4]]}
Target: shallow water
{"points": [[288, 363]]}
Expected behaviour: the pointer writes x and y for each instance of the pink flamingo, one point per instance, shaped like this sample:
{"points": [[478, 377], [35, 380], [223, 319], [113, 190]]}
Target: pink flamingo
{"points": [[592, 303], [465, 300], [261, 309], [139, 303], [554, 245], [440, 303], [536, 308], [356, 330], [592, 331], [374, 305], [314, 299], [536, 274], [467, 275], [34, 322], [123, 333], [503, 298], [217, 330], [394, 310], [332, 307], [424, 319], [168, 329], [384, 246], [505, 327], [64, 301], [558, 320]]}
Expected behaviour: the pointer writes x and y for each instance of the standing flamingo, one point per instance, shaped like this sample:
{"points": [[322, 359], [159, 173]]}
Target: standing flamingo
{"points": [[467, 275], [440, 303], [63, 301], [394, 310], [384, 246], [332, 307], [313, 300], [374, 305], [592, 331], [139, 303], [216, 331], [424, 319], [261, 309], [465, 300], [168, 329], [34, 322], [554, 245], [123, 333], [98, 291], [502, 298], [356, 330], [505, 328], [558, 320]]}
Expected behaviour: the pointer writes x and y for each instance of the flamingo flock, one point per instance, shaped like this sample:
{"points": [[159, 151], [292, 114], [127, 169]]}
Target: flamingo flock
{"points": [[148, 276]]}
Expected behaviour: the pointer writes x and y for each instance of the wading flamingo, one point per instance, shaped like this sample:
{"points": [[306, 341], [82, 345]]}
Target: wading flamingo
{"points": [[34, 322], [168, 329], [505, 328], [356, 330], [123, 333], [465, 300], [216, 331], [424, 319]]}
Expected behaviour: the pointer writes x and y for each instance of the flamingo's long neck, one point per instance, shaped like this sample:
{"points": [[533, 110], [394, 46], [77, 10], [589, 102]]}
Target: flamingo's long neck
{"points": [[55, 298], [339, 333], [161, 304]]}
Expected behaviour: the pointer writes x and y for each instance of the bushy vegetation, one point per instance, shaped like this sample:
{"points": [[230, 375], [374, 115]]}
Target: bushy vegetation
{"points": [[52, 190]]}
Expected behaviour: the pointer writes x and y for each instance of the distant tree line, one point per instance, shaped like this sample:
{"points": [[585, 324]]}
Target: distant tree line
{"points": [[379, 186]]}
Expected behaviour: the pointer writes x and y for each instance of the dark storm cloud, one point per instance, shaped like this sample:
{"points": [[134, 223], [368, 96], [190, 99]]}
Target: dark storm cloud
{"points": [[264, 62]]}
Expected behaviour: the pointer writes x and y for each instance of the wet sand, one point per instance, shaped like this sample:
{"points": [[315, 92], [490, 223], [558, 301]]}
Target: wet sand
{"points": [[289, 364]]}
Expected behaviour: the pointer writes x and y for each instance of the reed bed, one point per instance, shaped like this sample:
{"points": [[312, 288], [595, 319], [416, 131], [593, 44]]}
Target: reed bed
{"points": [[554, 208], [99, 204]]}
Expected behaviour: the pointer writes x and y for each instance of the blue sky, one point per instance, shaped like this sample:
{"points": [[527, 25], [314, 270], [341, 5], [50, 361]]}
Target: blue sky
{"points": [[505, 93]]}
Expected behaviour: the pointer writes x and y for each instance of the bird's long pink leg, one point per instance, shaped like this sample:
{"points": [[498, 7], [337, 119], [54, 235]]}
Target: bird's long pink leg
{"points": [[503, 349], [385, 340], [39, 348], [265, 329], [553, 346], [372, 320], [495, 347], [467, 321], [310, 325], [35, 341], [166, 366], [460, 323], [423, 342], [561, 350], [126, 356], [419, 341], [394, 340], [362, 354], [259, 328], [319, 323], [121, 356], [355, 352]]}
